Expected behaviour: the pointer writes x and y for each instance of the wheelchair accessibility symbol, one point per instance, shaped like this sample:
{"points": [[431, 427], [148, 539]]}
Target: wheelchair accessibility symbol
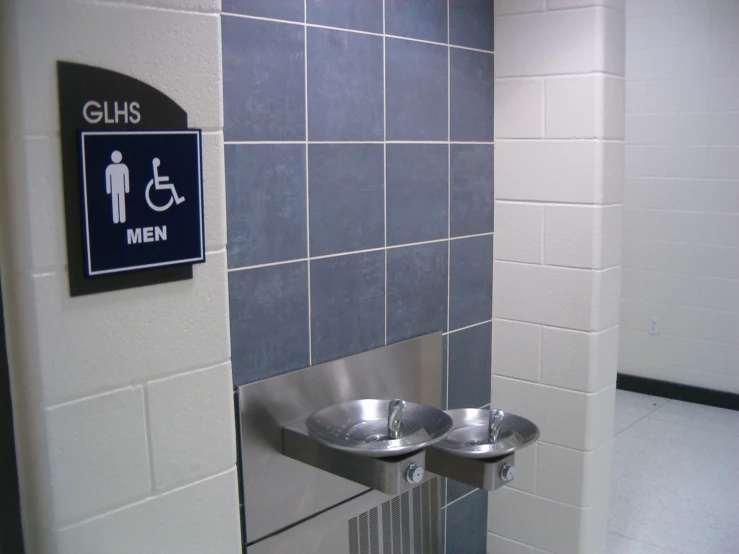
{"points": [[160, 183]]}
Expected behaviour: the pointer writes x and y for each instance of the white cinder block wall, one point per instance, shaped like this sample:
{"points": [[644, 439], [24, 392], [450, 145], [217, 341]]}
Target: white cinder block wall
{"points": [[681, 207], [123, 406], [559, 128]]}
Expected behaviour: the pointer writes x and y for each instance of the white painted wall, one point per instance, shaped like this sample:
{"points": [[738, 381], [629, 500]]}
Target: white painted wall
{"points": [[681, 216], [123, 406], [559, 127]]}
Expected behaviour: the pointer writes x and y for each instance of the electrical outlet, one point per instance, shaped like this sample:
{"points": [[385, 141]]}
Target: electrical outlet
{"points": [[654, 325]]}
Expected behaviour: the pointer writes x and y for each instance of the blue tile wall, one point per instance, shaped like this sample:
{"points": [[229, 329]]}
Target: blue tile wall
{"points": [[269, 320], [346, 197], [470, 281], [417, 193], [466, 524], [416, 90], [471, 24], [346, 14], [359, 191], [472, 192], [456, 490], [263, 80], [416, 290], [265, 203], [471, 84], [347, 305], [419, 19], [344, 86], [469, 367]]}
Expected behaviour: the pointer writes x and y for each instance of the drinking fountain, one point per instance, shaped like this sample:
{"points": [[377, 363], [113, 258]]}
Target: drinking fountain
{"points": [[376, 443], [480, 451], [351, 431]]}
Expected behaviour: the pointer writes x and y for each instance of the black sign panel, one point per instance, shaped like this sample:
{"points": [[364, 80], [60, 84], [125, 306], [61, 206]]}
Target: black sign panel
{"points": [[102, 114]]}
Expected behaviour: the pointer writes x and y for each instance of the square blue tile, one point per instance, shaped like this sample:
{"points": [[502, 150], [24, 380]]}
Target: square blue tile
{"points": [[269, 321], [466, 524], [471, 24], [290, 10], [471, 281], [472, 194], [472, 86], [416, 290], [469, 367], [417, 193], [263, 80], [455, 489], [265, 203], [346, 197], [416, 90], [345, 97], [347, 305], [420, 19], [363, 15]]}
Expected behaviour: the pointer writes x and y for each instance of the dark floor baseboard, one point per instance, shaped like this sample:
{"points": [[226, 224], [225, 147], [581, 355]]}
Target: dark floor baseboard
{"points": [[687, 393]]}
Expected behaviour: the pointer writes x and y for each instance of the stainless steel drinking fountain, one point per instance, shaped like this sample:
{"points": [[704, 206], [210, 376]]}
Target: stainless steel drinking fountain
{"points": [[480, 451], [377, 443], [342, 435]]}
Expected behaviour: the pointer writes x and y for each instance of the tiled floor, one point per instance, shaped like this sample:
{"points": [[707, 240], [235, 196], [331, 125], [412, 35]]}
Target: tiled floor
{"points": [[675, 485]]}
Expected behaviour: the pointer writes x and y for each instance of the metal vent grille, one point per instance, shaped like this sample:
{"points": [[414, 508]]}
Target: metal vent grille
{"points": [[354, 536], [406, 524]]}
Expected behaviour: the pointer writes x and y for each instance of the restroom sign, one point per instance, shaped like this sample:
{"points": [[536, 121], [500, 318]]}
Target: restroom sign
{"points": [[142, 199]]}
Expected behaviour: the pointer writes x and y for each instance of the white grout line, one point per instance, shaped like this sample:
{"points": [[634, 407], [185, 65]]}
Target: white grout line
{"points": [[434, 241], [449, 185], [278, 142], [307, 183], [458, 47], [366, 251], [449, 235], [448, 214], [347, 142], [351, 252], [259, 18], [488, 234], [384, 148], [468, 327], [446, 490], [460, 498], [330, 28], [257, 142], [259, 266]]}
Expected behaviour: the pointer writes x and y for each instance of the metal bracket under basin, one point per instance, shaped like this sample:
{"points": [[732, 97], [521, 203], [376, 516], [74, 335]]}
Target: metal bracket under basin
{"points": [[392, 475], [487, 474]]}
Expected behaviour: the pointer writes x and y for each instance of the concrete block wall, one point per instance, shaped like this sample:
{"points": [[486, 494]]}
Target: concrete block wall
{"points": [[123, 408], [681, 206], [559, 130]]}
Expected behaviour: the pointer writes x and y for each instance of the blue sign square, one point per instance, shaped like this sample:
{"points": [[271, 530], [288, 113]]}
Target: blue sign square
{"points": [[142, 199]]}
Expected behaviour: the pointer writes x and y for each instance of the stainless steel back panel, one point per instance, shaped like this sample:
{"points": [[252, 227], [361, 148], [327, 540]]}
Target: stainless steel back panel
{"points": [[280, 491]]}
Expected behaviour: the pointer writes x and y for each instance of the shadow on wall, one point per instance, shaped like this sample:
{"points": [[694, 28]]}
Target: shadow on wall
{"points": [[11, 531]]}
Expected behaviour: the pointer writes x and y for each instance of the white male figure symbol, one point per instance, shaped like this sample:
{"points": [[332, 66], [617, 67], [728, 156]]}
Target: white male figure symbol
{"points": [[117, 185]]}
